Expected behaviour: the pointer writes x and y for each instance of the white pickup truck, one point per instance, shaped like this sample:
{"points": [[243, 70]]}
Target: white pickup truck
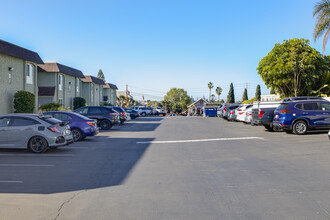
{"points": [[143, 111], [160, 111]]}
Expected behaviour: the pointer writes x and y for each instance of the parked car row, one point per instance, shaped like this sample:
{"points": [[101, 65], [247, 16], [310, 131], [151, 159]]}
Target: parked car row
{"points": [[52, 129], [295, 115]]}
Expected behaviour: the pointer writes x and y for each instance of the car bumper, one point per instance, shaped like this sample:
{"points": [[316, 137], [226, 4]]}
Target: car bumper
{"points": [[329, 135], [60, 140], [279, 124]]}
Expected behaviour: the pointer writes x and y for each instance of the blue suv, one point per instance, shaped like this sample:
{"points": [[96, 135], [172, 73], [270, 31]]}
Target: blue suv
{"points": [[300, 116]]}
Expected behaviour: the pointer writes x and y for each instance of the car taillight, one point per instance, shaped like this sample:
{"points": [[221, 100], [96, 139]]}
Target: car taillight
{"points": [[285, 111], [122, 113], [112, 114], [231, 113], [250, 114], [239, 110], [225, 109], [90, 123], [54, 129], [261, 113]]}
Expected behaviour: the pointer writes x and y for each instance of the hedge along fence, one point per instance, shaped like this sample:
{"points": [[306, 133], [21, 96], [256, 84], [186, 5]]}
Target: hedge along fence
{"points": [[24, 102], [78, 102], [50, 107]]}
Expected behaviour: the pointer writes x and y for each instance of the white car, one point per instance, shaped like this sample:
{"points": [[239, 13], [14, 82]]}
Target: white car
{"points": [[248, 116], [241, 112]]}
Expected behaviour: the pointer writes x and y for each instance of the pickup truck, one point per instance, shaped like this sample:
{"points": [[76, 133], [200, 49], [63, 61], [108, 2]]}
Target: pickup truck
{"points": [[143, 111], [160, 111]]}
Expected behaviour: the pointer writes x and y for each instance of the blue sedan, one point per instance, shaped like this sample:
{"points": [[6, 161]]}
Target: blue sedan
{"points": [[81, 126]]}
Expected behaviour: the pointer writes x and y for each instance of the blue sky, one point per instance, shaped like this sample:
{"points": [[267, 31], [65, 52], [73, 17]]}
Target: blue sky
{"points": [[154, 45]]}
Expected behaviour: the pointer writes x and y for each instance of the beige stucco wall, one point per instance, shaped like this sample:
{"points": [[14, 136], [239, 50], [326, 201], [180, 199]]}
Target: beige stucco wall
{"points": [[13, 81]]}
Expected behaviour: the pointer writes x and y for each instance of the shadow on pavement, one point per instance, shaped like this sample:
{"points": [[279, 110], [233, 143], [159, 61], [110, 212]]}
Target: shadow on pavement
{"points": [[153, 118], [105, 163], [138, 127]]}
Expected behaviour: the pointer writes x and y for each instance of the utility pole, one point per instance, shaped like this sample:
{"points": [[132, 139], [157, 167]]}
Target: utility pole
{"points": [[126, 95]]}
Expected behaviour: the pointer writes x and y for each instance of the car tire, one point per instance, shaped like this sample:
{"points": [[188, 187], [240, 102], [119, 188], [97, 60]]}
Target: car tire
{"points": [[268, 128], [76, 134], [277, 129], [105, 124], [122, 122], [300, 127], [38, 144], [143, 114]]}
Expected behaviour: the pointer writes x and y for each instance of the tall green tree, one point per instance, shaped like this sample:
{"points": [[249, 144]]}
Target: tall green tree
{"points": [[294, 68], [245, 95], [322, 14], [100, 75], [176, 100], [258, 93], [210, 86], [231, 94], [218, 91]]}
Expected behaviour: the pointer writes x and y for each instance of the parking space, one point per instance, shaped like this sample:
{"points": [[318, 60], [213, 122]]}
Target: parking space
{"points": [[174, 166]]}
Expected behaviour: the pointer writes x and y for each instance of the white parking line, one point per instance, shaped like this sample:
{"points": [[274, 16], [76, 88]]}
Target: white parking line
{"points": [[200, 140], [25, 165], [4, 181]]}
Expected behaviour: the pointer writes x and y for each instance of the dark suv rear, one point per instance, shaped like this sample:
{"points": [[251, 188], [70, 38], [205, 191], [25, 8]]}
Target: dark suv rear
{"points": [[301, 116], [105, 117]]}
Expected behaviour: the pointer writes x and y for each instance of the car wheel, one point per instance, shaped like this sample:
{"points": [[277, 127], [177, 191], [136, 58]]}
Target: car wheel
{"points": [[143, 114], [268, 127], [122, 122], [38, 144], [300, 127], [76, 134], [277, 129], [105, 124]]}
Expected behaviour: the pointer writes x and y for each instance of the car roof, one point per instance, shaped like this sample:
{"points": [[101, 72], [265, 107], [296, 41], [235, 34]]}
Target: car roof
{"points": [[21, 114]]}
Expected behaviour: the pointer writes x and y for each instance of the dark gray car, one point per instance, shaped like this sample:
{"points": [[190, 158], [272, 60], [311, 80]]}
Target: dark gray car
{"points": [[35, 132]]}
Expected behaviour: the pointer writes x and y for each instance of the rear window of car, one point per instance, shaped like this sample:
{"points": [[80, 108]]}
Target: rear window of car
{"points": [[298, 106], [283, 106], [80, 116], [118, 109], [94, 110], [311, 106], [23, 122], [52, 121]]}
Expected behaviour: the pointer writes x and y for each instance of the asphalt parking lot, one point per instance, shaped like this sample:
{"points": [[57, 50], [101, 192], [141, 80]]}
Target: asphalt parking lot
{"points": [[172, 168]]}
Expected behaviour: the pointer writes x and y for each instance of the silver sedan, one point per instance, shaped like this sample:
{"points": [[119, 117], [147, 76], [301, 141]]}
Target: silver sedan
{"points": [[35, 132]]}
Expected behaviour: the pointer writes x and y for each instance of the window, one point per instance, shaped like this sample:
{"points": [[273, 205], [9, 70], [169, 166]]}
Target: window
{"points": [[82, 110], [29, 73], [92, 93], [23, 122], [52, 121], [298, 106], [4, 122], [62, 117], [325, 106], [94, 110], [60, 82], [60, 101], [311, 106], [77, 84]]}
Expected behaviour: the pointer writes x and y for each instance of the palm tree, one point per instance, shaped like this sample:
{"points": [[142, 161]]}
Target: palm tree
{"points": [[322, 13], [218, 91], [210, 85]]}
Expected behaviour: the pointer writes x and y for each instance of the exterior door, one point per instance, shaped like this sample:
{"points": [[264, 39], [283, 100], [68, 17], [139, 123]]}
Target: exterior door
{"points": [[325, 107]]}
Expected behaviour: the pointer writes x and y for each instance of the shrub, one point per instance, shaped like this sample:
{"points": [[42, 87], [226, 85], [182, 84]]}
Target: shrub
{"points": [[24, 102], [50, 107], [249, 101], [78, 102]]}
